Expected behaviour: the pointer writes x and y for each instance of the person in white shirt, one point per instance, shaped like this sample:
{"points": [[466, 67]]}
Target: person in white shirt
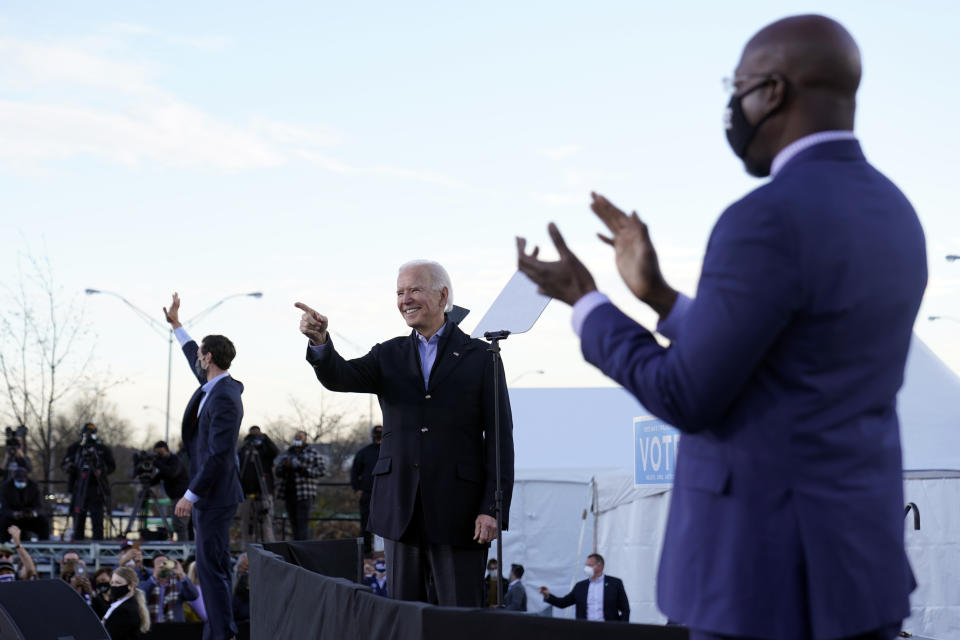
{"points": [[599, 597]]}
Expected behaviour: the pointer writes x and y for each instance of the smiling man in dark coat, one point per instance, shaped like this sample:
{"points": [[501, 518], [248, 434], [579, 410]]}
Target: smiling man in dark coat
{"points": [[434, 482]]}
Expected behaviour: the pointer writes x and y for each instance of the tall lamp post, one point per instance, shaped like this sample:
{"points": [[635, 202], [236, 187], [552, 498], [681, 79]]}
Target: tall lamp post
{"points": [[951, 318], [162, 329]]}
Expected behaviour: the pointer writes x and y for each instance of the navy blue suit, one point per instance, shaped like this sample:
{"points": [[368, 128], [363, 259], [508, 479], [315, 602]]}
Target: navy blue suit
{"points": [[787, 507], [211, 441], [616, 607]]}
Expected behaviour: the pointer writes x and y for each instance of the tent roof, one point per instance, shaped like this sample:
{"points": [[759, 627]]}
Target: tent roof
{"points": [[572, 433]]}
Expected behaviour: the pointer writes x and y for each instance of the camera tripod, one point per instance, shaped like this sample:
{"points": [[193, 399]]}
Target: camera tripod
{"points": [[141, 512], [89, 463], [252, 456]]}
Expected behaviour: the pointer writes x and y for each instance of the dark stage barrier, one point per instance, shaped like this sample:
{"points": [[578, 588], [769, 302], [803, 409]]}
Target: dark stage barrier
{"points": [[315, 605]]}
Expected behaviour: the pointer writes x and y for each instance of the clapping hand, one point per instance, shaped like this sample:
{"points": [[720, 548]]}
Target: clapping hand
{"points": [[635, 256], [566, 279], [312, 324]]}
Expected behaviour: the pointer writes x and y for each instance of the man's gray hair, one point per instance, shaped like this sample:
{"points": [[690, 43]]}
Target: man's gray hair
{"points": [[439, 278]]}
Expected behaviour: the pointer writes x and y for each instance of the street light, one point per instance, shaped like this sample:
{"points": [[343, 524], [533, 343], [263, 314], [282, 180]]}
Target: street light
{"points": [[162, 329], [538, 372], [951, 257], [932, 318]]}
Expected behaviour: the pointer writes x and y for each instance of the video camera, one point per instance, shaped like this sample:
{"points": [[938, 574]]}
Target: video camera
{"points": [[15, 437], [144, 465], [88, 455], [253, 440]]}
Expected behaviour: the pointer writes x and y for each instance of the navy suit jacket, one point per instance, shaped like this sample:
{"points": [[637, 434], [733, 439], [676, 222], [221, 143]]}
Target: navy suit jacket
{"points": [[437, 438], [212, 442], [615, 604], [783, 378]]}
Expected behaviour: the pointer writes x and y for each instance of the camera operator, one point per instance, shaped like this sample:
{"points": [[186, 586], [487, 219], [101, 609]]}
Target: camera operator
{"points": [[22, 505], [176, 479], [300, 469], [15, 451], [256, 455], [87, 464]]}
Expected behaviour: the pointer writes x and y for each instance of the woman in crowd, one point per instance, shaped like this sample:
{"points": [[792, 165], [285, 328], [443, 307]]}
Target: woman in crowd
{"points": [[127, 616], [195, 611]]}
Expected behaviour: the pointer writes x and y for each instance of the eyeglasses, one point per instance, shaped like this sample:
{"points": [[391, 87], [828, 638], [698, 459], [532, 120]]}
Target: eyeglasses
{"points": [[730, 82]]}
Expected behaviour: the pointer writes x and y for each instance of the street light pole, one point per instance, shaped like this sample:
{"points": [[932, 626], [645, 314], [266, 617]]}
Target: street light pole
{"points": [[156, 325]]}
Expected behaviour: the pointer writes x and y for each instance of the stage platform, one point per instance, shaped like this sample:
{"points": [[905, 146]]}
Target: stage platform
{"points": [[311, 590]]}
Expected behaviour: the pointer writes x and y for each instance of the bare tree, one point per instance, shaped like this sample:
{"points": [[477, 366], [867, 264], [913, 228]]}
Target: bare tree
{"points": [[45, 356]]}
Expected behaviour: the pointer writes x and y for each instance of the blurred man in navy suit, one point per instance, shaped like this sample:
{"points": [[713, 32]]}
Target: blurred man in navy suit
{"points": [[786, 514]]}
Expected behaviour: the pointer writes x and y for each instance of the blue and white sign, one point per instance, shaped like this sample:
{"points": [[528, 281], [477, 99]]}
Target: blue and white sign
{"points": [[655, 451]]}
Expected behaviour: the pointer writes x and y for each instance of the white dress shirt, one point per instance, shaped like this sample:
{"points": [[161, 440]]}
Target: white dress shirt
{"points": [[595, 599]]}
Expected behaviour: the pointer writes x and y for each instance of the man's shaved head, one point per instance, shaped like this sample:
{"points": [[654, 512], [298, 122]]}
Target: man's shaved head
{"points": [[814, 52], [814, 66]]}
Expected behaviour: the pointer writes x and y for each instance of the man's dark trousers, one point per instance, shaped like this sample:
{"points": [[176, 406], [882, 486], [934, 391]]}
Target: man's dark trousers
{"points": [[95, 507], [364, 517], [419, 570], [213, 568], [299, 512]]}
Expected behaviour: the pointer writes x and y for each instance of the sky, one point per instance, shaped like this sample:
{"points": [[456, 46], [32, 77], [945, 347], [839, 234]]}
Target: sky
{"points": [[305, 150]]}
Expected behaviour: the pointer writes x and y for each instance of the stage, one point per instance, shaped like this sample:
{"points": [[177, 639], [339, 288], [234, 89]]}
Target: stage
{"points": [[312, 589]]}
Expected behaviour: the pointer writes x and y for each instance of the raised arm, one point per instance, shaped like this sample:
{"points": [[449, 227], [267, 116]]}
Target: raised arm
{"points": [[188, 345], [360, 375]]}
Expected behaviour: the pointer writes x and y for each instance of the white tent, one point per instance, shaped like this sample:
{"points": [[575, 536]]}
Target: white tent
{"points": [[575, 451]]}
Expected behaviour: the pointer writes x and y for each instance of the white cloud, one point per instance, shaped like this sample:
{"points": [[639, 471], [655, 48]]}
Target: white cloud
{"points": [[129, 119]]}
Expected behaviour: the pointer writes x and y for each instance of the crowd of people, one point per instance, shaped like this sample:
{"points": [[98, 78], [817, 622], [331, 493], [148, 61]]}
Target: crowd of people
{"points": [[137, 593]]}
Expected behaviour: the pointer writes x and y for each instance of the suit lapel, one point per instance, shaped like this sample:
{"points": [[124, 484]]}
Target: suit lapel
{"points": [[413, 360], [449, 354]]}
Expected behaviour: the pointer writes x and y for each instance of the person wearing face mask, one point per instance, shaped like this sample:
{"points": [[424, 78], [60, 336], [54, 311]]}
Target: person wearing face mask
{"points": [[127, 618], [100, 601], [132, 556], [599, 597], [22, 507], [210, 430], [783, 372], [377, 580], [87, 464], [28, 570], [299, 470], [490, 584]]}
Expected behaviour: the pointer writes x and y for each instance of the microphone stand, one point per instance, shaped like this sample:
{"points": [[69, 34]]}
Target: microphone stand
{"points": [[495, 337]]}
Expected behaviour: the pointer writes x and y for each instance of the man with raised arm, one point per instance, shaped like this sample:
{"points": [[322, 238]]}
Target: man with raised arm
{"points": [[434, 482], [210, 429]]}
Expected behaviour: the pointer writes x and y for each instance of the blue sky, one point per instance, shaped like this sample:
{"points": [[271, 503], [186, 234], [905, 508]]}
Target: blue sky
{"points": [[307, 149]]}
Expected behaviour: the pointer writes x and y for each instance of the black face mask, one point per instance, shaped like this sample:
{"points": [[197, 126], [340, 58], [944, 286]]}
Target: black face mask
{"points": [[118, 593], [740, 132], [103, 588], [197, 369]]}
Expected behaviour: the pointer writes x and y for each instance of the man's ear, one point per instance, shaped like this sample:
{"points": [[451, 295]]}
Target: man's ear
{"points": [[444, 295]]}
